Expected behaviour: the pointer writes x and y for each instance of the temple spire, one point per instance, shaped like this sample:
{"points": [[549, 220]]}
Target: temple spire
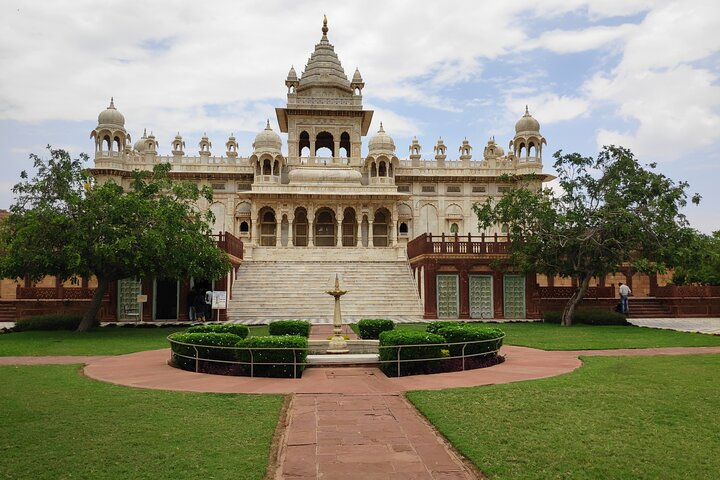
{"points": [[325, 27]]}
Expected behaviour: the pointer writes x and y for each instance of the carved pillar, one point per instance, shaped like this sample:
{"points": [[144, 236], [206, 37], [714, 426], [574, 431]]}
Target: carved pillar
{"points": [[430, 291], [311, 233], [370, 233], [359, 231], [464, 285], [498, 294], [394, 222], [291, 231], [338, 240], [278, 230]]}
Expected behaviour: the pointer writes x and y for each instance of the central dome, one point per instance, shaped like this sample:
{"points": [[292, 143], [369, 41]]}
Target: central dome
{"points": [[267, 141], [527, 123], [381, 142]]}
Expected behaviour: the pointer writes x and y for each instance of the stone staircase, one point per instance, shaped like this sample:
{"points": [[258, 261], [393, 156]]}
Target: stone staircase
{"points": [[269, 290], [647, 308], [7, 312]]}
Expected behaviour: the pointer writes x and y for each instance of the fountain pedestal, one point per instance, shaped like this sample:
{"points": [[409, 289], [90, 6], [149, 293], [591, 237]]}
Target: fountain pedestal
{"points": [[337, 342]]}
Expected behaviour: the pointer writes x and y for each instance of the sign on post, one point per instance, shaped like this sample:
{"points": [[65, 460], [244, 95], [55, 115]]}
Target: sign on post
{"points": [[219, 299]]}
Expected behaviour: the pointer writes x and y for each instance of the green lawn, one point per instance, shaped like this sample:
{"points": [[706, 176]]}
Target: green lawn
{"points": [[99, 341], [57, 424], [615, 418], [549, 336]]}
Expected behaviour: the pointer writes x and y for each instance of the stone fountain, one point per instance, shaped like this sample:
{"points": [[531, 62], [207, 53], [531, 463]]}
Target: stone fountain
{"points": [[337, 342]]}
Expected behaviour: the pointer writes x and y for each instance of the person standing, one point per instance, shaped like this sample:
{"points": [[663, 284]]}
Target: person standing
{"points": [[624, 294]]}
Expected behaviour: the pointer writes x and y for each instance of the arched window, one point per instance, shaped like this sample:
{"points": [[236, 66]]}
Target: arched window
{"points": [[373, 170], [268, 228], [267, 169], [244, 227], [107, 143], [304, 144], [344, 145], [454, 228], [349, 228], [325, 228], [382, 170], [325, 140], [403, 228], [276, 168], [380, 228], [300, 228]]}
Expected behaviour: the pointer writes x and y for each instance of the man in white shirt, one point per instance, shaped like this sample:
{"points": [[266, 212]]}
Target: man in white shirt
{"points": [[624, 294]]}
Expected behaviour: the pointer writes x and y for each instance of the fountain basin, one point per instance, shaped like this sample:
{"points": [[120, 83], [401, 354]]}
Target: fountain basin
{"points": [[319, 347]]}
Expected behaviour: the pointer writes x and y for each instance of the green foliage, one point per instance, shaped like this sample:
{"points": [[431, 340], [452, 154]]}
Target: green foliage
{"points": [[432, 348], [238, 329], [279, 360], [434, 327], [290, 327], [204, 344], [608, 211], [49, 322], [371, 328], [65, 224], [589, 316], [455, 334], [701, 261]]}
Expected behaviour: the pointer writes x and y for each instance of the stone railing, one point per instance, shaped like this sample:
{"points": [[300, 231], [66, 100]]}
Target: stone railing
{"points": [[230, 244], [455, 244], [688, 291], [567, 292], [54, 293]]}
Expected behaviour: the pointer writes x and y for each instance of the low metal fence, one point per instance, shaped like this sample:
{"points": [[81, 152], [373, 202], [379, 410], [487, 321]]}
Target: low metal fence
{"points": [[297, 352]]}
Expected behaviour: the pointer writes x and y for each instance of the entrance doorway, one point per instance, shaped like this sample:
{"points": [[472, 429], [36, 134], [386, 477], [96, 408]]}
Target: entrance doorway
{"points": [[481, 296], [165, 304], [325, 229]]}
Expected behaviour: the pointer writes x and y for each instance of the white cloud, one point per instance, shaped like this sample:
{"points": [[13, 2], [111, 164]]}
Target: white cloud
{"points": [[573, 41], [549, 107]]}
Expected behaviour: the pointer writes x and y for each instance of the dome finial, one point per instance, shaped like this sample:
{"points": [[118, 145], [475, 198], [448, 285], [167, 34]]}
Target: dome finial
{"points": [[381, 128], [267, 127], [112, 103], [526, 110], [325, 27], [144, 132]]}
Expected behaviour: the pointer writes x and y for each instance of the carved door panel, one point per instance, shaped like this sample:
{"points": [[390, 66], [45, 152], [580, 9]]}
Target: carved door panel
{"points": [[447, 296], [514, 296], [128, 307], [481, 296]]}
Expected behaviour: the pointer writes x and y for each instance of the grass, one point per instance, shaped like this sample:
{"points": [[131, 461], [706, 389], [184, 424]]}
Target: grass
{"points": [[99, 341], [57, 424], [615, 418], [549, 336]]}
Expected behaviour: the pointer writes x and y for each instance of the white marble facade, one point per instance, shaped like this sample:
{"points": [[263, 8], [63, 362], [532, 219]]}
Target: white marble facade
{"points": [[339, 198]]}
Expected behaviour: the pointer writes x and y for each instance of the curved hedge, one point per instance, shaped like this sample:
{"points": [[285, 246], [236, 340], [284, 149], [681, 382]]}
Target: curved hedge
{"points": [[471, 333], [435, 326], [371, 328], [280, 362], [235, 328], [290, 327], [432, 348], [203, 342]]}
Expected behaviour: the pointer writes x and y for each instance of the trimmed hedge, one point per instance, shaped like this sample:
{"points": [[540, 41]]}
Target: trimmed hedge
{"points": [[205, 342], [589, 316], [371, 328], [235, 328], [50, 322], [290, 327], [274, 357], [434, 327], [471, 333], [395, 338]]}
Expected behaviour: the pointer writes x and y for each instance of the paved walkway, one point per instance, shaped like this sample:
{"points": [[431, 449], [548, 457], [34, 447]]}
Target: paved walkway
{"points": [[347, 423], [700, 325]]}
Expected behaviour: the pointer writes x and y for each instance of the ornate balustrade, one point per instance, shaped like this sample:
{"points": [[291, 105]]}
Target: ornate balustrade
{"points": [[54, 293], [670, 291], [567, 292], [230, 244], [455, 244]]}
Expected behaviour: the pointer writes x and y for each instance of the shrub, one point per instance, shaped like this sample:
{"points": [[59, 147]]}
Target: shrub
{"points": [[274, 359], [50, 322], [433, 327], [471, 333], [371, 328], [290, 327], [240, 330], [394, 338], [589, 316], [205, 343]]}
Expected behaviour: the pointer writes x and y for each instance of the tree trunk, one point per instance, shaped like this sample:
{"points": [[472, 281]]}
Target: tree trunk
{"points": [[89, 316], [574, 301]]}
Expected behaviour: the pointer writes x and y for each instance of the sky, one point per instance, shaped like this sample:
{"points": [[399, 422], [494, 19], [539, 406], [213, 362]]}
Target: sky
{"points": [[638, 73]]}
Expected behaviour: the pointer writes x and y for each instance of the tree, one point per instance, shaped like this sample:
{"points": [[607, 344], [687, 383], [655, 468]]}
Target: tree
{"points": [[610, 211], [65, 224], [701, 262]]}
